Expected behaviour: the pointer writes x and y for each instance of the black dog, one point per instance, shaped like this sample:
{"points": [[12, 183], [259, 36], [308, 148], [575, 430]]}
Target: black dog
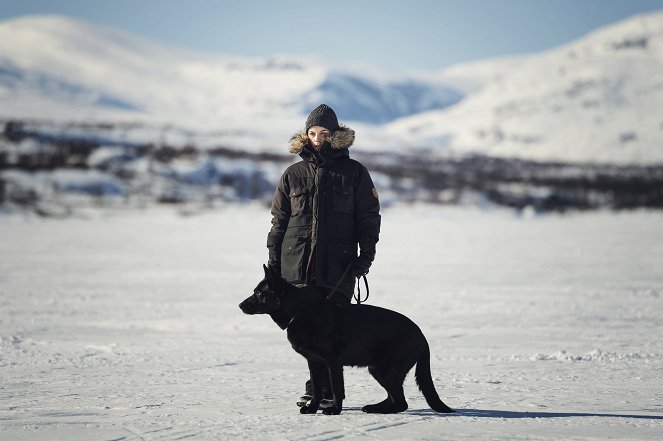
{"points": [[330, 336]]}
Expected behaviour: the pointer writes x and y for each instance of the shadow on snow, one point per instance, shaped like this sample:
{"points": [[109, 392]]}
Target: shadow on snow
{"points": [[508, 414]]}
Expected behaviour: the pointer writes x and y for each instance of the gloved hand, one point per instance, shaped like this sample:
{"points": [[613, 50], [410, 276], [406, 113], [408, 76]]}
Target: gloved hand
{"points": [[360, 267]]}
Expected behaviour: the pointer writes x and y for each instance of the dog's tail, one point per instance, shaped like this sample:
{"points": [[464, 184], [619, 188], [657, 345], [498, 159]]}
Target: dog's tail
{"points": [[425, 383]]}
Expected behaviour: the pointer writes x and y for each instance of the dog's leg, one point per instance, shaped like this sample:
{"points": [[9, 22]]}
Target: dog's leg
{"points": [[391, 379], [317, 371], [337, 388], [375, 408]]}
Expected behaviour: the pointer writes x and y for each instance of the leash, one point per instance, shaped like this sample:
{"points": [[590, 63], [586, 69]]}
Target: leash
{"points": [[345, 273], [357, 296]]}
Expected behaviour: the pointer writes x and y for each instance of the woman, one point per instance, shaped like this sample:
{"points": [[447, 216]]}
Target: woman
{"points": [[324, 209]]}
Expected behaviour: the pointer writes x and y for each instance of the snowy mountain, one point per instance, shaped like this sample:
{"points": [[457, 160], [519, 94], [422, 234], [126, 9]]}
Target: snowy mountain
{"points": [[57, 67], [594, 100], [597, 99]]}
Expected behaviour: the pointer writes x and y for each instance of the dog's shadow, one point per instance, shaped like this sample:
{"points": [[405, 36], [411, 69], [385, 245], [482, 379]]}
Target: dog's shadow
{"points": [[509, 414]]}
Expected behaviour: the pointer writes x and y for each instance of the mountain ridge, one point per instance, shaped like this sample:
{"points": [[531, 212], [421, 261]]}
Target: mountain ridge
{"points": [[592, 99], [596, 98]]}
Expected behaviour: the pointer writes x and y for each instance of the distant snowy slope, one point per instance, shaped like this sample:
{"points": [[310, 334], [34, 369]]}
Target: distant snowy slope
{"points": [[49, 64], [54, 66], [596, 99]]}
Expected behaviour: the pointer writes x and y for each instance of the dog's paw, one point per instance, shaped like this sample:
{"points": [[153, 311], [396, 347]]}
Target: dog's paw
{"points": [[384, 407], [333, 410], [308, 409]]}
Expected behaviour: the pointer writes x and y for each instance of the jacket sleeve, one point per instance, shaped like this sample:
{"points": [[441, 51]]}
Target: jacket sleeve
{"points": [[367, 217], [280, 218]]}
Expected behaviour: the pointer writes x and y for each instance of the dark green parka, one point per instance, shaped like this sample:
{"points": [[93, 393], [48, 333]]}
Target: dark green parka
{"points": [[323, 208]]}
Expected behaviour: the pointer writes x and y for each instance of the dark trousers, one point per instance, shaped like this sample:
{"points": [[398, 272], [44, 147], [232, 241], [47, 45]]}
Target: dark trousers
{"points": [[340, 299]]}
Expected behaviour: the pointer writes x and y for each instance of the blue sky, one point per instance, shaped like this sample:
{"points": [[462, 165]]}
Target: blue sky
{"points": [[419, 34]]}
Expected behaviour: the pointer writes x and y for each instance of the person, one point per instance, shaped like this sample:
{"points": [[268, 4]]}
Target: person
{"points": [[325, 215]]}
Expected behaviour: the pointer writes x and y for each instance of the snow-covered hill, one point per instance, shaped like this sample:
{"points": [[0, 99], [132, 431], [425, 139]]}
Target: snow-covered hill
{"points": [[594, 100], [57, 67]]}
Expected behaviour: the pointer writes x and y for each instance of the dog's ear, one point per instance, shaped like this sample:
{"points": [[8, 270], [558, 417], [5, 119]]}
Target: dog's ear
{"points": [[269, 273]]}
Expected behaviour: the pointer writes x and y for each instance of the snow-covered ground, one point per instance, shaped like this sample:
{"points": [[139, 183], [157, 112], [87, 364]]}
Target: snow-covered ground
{"points": [[126, 326]]}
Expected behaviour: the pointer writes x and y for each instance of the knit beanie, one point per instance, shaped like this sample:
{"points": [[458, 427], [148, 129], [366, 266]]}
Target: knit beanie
{"points": [[322, 116]]}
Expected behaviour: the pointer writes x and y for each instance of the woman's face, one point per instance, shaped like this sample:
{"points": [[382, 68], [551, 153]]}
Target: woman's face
{"points": [[317, 136]]}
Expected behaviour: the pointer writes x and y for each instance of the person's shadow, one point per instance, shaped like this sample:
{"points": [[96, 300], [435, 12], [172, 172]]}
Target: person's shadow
{"points": [[509, 414]]}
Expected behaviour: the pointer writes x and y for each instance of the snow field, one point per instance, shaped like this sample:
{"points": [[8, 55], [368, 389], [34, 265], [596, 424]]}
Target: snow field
{"points": [[126, 326]]}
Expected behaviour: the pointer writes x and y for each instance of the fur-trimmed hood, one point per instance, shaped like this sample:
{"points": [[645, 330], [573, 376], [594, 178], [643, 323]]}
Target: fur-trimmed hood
{"points": [[342, 138]]}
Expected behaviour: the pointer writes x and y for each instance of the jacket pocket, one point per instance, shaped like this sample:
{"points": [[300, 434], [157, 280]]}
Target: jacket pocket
{"points": [[293, 255], [298, 201], [344, 199]]}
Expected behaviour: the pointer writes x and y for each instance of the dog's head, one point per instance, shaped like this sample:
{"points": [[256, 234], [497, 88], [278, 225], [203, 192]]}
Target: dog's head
{"points": [[266, 297]]}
